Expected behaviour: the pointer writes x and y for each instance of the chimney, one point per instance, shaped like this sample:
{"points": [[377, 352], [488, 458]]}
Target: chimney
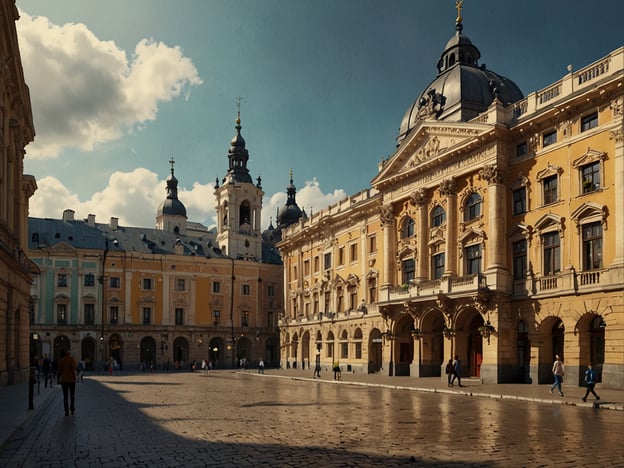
{"points": [[91, 220], [68, 215], [114, 223]]}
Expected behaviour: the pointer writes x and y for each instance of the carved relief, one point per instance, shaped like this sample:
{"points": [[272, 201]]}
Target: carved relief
{"points": [[447, 187], [419, 197], [617, 106], [428, 151], [386, 215], [431, 104], [492, 174]]}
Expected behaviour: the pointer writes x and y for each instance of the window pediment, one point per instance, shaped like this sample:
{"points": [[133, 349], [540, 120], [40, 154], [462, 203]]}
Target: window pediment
{"points": [[590, 156], [550, 170], [521, 231], [521, 181], [471, 234], [590, 212]]}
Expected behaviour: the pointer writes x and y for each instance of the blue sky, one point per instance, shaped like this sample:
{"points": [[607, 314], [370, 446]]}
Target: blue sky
{"points": [[119, 87]]}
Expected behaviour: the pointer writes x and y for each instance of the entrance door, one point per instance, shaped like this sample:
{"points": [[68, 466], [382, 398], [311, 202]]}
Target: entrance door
{"points": [[476, 354]]}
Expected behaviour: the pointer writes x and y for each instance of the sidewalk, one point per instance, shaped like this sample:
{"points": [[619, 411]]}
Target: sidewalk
{"points": [[609, 398], [15, 415]]}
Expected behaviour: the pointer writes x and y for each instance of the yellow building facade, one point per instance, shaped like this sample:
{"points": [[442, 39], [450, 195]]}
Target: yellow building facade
{"points": [[16, 131], [494, 233]]}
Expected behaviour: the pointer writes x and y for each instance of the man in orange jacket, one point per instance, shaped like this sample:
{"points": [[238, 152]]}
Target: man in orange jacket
{"points": [[67, 377]]}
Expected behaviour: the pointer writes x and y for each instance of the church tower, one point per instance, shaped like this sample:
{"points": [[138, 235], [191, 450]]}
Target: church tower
{"points": [[239, 205], [171, 215]]}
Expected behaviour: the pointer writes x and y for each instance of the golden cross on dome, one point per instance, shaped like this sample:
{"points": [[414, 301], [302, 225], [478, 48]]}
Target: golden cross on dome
{"points": [[239, 100], [458, 5]]}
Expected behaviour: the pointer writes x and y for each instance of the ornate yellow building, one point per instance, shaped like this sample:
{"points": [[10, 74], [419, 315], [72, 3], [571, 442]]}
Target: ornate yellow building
{"points": [[166, 296], [16, 131], [495, 233]]}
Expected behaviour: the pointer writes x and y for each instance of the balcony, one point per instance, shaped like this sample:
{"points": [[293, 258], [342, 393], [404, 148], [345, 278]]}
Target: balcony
{"points": [[446, 285]]}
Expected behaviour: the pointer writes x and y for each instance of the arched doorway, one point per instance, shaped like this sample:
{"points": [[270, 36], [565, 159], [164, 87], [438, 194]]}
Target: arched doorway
{"points": [[115, 345], [374, 351], [215, 352], [87, 353], [475, 347], [432, 338], [557, 333], [243, 350], [404, 346], [61, 342], [294, 348], [270, 353], [305, 350], [180, 352], [147, 353], [597, 344]]}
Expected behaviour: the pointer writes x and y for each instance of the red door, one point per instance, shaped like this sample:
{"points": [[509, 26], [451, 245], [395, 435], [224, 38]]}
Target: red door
{"points": [[476, 354]]}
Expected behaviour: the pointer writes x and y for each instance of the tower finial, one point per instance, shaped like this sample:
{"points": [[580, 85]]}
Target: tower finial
{"points": [[172, 162], [458, 5], [239, 100], [291, 175]]}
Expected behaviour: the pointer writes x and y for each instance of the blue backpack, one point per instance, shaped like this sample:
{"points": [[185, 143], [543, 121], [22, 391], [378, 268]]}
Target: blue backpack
{"points": [[590, 376]]}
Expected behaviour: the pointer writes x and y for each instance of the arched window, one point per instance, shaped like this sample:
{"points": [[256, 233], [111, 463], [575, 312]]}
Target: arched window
{"points": [[438, 216], [472, 207], [408, 228]]}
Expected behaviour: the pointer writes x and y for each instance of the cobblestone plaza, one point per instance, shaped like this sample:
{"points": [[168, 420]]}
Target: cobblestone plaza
{"points": [[236, 419]]}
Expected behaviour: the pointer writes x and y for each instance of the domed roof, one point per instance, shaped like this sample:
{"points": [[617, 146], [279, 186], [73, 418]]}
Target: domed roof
{"points": [[171, 205], [289, 213], [462, 90]]}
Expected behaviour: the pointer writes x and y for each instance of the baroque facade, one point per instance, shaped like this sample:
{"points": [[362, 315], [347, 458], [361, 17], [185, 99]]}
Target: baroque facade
{"points": [[495, 233], [16, 188], [165, 296]]}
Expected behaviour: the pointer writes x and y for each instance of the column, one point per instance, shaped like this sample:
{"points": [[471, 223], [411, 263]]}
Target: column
{"points": [[448, 189], [419, 199], [496, 216], [387, 224]]}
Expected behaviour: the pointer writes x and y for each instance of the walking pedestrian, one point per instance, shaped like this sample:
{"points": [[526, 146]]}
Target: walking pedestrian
{"points": [[67, 377], [450, 371], [261, 367], [558, 372], [47, 368], [456, 371], [317, 366], [337, 371], [590, 382]]}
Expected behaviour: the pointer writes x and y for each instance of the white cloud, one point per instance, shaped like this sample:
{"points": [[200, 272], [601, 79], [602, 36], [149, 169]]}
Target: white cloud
{"points": [[85, 91], [134, 197]]}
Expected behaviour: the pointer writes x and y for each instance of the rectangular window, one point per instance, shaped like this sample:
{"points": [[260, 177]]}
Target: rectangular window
{"points": [[372, 244], [270, 319], [89, 314], [550, 189], [358, 350], [409, 270], [339, 300], [89, 279], [549, 138], [438, 265], [61, 314], [327, 299], [519, 252], [316, 264], [592, 246], [147, 284], [114, 315], [550, 241], [306, 268], [327, 262], [372, 292], [519, 201], [216, 317], [353, 299], [522, 149], [473, 259], [216, 287], [590, 176], [246, 290], [179, 316], [344, 350], [271, 290], [61, 280], [114, 283], [354, 252], [245, 319], [589, 121], [147, 315], [180, 284], [341, 256]]}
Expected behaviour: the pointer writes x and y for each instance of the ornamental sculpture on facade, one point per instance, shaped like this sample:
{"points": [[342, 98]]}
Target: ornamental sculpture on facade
{"points": [[492, 174], [447, 187]]}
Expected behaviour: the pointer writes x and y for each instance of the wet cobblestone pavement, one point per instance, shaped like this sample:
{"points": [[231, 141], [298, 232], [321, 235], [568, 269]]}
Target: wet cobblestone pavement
{"points": [[236, 419]]}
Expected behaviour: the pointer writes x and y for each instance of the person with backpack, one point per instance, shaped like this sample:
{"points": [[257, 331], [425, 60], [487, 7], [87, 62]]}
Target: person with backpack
{"points": [[590, 382]]}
